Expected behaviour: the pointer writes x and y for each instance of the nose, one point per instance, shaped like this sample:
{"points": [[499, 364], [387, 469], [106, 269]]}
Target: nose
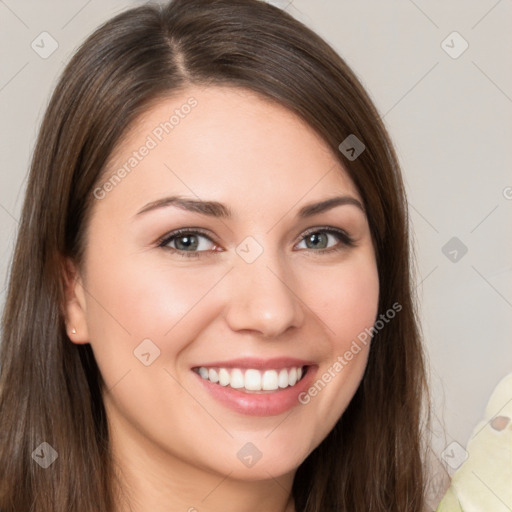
{"points": [[263, 298]]}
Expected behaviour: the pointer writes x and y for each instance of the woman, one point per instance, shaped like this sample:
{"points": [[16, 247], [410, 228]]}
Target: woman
{"points": [[209, 304]]}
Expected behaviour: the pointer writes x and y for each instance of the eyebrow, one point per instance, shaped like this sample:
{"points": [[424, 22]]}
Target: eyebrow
{"points": [[216, 209]]}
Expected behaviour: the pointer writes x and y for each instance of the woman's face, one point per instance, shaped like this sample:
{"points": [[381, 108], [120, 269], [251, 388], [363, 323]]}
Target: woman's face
{"points": [[260, 283]]}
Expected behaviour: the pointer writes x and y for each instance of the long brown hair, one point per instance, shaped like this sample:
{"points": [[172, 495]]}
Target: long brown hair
{"points": [[50, 388]]}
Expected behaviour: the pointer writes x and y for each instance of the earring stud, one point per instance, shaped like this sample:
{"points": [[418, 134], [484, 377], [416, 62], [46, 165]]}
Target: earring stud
{"points": [[73, 331]]}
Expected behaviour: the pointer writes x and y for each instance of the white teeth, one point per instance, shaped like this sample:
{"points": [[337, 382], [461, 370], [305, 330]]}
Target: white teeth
{"points": [[213, 376], [223, 377], [292, 376], [251, 379], [283, 378], [237, 379], [269, 380]]}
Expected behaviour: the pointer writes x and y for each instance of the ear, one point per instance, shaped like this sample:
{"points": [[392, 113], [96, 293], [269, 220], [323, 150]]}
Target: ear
{"points": [[75, 304]]}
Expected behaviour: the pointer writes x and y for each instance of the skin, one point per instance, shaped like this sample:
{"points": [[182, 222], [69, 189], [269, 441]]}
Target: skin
{"points": [[176, 446]]}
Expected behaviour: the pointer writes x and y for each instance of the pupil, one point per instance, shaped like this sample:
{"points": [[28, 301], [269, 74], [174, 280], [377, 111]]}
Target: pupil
{"points": [[317, 238], [187, 242]]}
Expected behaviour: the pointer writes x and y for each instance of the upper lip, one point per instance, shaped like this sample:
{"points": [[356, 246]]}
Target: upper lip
{"points": [[258, 363]]}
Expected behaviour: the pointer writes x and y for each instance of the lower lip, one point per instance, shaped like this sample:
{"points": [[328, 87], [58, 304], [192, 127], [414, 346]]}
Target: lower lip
{"points": [[264, 404]]}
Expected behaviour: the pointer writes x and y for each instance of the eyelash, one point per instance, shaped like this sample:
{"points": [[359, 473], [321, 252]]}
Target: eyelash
{"points": [[345, 240]]}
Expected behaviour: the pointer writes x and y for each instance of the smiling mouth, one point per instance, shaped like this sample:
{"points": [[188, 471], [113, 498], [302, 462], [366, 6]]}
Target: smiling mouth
{"points": [[252, 380]]}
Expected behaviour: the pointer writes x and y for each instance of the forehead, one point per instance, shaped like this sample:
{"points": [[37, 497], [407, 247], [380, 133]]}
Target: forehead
{"points": [[227, 144]]}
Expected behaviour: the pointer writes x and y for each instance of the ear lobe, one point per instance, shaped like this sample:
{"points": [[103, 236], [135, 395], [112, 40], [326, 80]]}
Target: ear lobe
{"points": [[75, 307]]}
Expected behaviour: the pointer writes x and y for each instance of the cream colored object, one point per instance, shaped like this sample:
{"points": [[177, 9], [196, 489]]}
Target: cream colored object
{"points": [[484, 481]]}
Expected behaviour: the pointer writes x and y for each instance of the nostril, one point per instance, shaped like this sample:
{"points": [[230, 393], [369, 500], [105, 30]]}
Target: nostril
{"points": [[500, 422]]}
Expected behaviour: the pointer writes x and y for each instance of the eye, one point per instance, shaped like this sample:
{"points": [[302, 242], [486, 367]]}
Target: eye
{"points": [[192, 242], [187, 242], [325, 239]]}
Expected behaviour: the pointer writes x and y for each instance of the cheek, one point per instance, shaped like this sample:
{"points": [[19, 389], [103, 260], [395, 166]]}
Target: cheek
{"points": [[348, 311], [346, 298], [130, 301]]}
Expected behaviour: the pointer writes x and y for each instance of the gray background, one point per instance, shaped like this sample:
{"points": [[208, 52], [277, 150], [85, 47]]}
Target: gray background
{"points": [[450, 119]]}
